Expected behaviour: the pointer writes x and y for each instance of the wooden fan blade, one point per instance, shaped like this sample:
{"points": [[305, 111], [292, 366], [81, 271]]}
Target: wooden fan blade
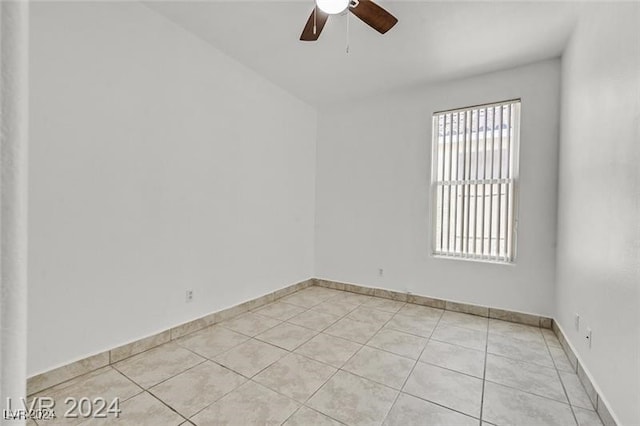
{"points": [[374, 16], [317, 17]]}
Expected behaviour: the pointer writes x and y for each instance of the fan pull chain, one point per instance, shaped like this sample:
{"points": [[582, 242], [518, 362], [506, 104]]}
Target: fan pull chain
{"points": [[347, 49]]}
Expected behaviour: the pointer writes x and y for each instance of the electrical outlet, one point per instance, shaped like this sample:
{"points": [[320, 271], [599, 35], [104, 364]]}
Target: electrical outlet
{"points": [[380, 272], [588, 337], [189, 296], [576, 322]]}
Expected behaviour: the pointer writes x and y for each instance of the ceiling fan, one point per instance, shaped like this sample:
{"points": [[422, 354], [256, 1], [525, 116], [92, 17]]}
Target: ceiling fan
{"points": [[369, 12]]}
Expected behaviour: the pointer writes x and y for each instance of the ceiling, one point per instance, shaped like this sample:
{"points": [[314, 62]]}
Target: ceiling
{"points": [[433, 41]]}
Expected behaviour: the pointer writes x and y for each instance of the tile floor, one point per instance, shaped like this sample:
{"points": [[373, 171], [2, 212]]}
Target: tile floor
{"points": [[325, 357]]}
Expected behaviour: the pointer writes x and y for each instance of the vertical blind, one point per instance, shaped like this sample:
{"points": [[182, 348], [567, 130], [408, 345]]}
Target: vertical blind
{"points": [[474, 174]]}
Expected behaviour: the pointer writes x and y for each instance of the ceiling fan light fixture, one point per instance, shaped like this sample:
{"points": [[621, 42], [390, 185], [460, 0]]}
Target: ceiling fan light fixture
{"points": [[367, 11], [332, 7]]}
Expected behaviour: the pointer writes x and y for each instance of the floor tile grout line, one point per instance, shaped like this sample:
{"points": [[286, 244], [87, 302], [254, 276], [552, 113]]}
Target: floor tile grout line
{"points": [[84, 375], [529, 393], [413, 368], [448, 324], [281, 300], [251, 310], [408, 332], [367, 378], [312, 409], [213, 360], [459, 345], [319, 388], [287, 349], [487, 353], [291, 415], [250, 379], [357, 343], [324, 414], [262, 369], [140, 389], [304, 308], [166, 405], [525, 342], [456, 344], [450, 369], [379, 328], [253, 338], [317, 332], [344, 363], [309, 310], [415, 364], [293, 351], [521, 361], [221, 324], [343, 317], [439, 404], [219, 353], [170, 377], [204, 361], [568, 402], [395, 353], [274, 390], [330, 335], [347, 361], [323, 362], [484, 371], [67, 383], [564, 389], [359, 304], [225, 394], [325, 383], [372, 380], [132, 381]]}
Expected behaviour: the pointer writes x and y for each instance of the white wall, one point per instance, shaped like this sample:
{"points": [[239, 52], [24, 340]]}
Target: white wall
{"points": [[373, 172], [157, 164], [598, 273]]}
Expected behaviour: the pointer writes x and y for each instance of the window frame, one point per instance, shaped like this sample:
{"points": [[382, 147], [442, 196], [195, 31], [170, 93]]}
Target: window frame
{"points": [[514, 193]]}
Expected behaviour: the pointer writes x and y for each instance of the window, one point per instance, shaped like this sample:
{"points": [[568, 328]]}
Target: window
{"points": [[474, 182]]}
